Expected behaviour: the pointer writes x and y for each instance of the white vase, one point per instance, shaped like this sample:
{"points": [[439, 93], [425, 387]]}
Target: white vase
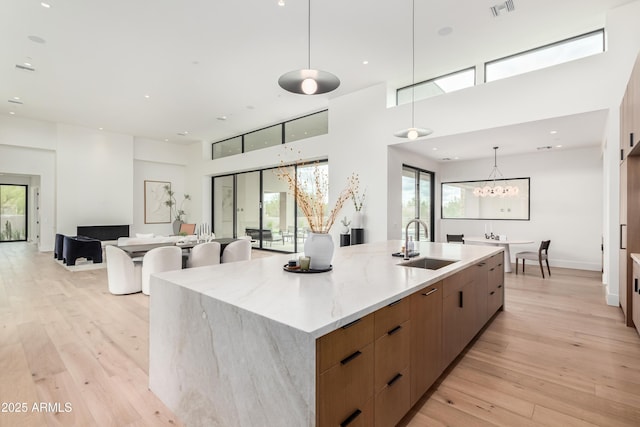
{"points": [[356, 221], [319, 247]]}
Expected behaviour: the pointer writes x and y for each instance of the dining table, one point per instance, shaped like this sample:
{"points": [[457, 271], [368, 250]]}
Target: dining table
{"points": [[505, 243], [136, 251]]}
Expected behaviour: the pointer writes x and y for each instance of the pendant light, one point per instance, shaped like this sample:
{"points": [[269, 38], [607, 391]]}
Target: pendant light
{"points": [[495, 190], [308, 81], [413, 132]]}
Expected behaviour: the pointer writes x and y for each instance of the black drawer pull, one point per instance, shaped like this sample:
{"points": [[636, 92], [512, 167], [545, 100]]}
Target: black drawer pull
{"points": [[394, 330], [635, 283], [481, 264], [491, 269], [461, 302], [631, 139], [350, 358], [394, 379], [348, 325], [350, 418], [394, 303], [492, 292], [430, 292], [499, 286]]}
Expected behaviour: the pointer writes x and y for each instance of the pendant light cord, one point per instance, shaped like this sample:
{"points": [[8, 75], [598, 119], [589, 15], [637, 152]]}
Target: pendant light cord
{"points": [[413, 60], [309, 35]]}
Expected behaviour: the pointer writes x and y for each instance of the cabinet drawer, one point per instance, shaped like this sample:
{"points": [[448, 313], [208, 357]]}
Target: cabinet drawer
{"points": [[495, 299], [343, 342], [391, 354], [392, 403], [345, 388], [455, 283], [391, 316]]}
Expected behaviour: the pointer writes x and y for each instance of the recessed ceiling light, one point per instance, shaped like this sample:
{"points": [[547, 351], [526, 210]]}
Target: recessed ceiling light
{"points": [[435, 148], [147, 96], [12, 112], [100, 128], [221, 118], [280, 2], [166, 140], [445, 31], [365, 62], [17, 98], [559, 146], [45, 5], [553, 132], [37, 39]]}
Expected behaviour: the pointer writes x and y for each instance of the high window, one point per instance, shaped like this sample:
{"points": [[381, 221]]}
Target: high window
{"points": [[289, 131], [444, 84], [546, 56]]}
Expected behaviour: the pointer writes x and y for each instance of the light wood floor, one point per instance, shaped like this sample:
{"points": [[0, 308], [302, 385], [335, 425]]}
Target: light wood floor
{"points": [[556, 356]]}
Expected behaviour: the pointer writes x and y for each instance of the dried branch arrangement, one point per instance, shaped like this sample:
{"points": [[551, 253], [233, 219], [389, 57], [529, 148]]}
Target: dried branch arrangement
{"points": [[312, 194]]}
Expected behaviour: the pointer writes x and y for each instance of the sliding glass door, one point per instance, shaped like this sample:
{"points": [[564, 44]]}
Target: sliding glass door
{"points": [[13, 213], [417, 201], [260, 205]]}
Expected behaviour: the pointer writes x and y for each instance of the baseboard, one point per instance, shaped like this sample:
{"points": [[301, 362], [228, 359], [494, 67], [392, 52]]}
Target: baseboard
{"points": [[612, 299]]}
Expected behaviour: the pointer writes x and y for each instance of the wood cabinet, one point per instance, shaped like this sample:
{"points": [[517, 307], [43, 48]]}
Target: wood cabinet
{"points": [[345, 360], [636, 294], [426, 339], [391, 373], [629, 238], [372, 371], [459, 313], [495, 297]]}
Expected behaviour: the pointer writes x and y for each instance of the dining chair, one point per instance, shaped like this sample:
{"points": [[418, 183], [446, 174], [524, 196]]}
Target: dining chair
{"points": [[165, 258], [542, 254], [124, 276], [188, 229], [204, 254], [238, 250], [455, 238]]}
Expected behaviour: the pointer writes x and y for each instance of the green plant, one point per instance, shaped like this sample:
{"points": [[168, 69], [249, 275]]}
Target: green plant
{"points": [[178, 212]]}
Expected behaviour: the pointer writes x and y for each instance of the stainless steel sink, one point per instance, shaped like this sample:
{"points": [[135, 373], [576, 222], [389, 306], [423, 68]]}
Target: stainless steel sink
{"points": [[428, 263]]}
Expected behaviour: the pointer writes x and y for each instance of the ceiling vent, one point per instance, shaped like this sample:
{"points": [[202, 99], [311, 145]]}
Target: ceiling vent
{"points": [[502, 8], [24, 67], [545, 147], [15, 101]]}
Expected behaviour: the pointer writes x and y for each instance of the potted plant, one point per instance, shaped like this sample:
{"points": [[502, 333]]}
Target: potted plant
{"points": [[177, 212]]}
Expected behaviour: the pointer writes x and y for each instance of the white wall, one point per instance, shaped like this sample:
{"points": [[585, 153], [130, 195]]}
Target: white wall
{"points": [[94, 176], [27, 148], [565, 201]]}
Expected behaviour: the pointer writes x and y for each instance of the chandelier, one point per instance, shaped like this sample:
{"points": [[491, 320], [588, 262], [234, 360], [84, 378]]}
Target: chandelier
{"points": [[492, 189]]}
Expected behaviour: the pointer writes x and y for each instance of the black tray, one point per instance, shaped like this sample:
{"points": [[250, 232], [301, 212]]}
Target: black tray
{"points": [[401, 254], [298, 270]]}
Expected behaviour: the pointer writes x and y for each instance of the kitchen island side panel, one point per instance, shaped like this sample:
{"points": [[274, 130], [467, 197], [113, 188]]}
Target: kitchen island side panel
{"points": [[214, 364]]}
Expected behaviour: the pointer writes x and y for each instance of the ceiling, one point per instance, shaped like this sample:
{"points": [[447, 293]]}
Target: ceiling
{"points": [[171, 70]]}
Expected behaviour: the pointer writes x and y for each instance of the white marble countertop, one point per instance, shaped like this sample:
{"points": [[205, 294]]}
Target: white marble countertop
{"points": [[636, 258], [364, 278]]}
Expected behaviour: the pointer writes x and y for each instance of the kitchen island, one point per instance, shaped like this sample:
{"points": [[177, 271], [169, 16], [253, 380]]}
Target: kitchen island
{"points": [[249, 344]]}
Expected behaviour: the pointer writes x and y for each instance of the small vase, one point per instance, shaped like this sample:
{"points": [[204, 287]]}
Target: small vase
{"points": [[176, 226], [319, 247], [356, 221]]}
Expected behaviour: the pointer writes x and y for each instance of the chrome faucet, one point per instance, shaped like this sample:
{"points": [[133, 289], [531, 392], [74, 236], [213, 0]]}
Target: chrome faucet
{"points": [[406, 235]]}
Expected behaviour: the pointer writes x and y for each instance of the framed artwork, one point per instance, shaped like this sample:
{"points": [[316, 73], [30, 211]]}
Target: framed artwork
{"points": [[156, 211], [464, 200]]}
